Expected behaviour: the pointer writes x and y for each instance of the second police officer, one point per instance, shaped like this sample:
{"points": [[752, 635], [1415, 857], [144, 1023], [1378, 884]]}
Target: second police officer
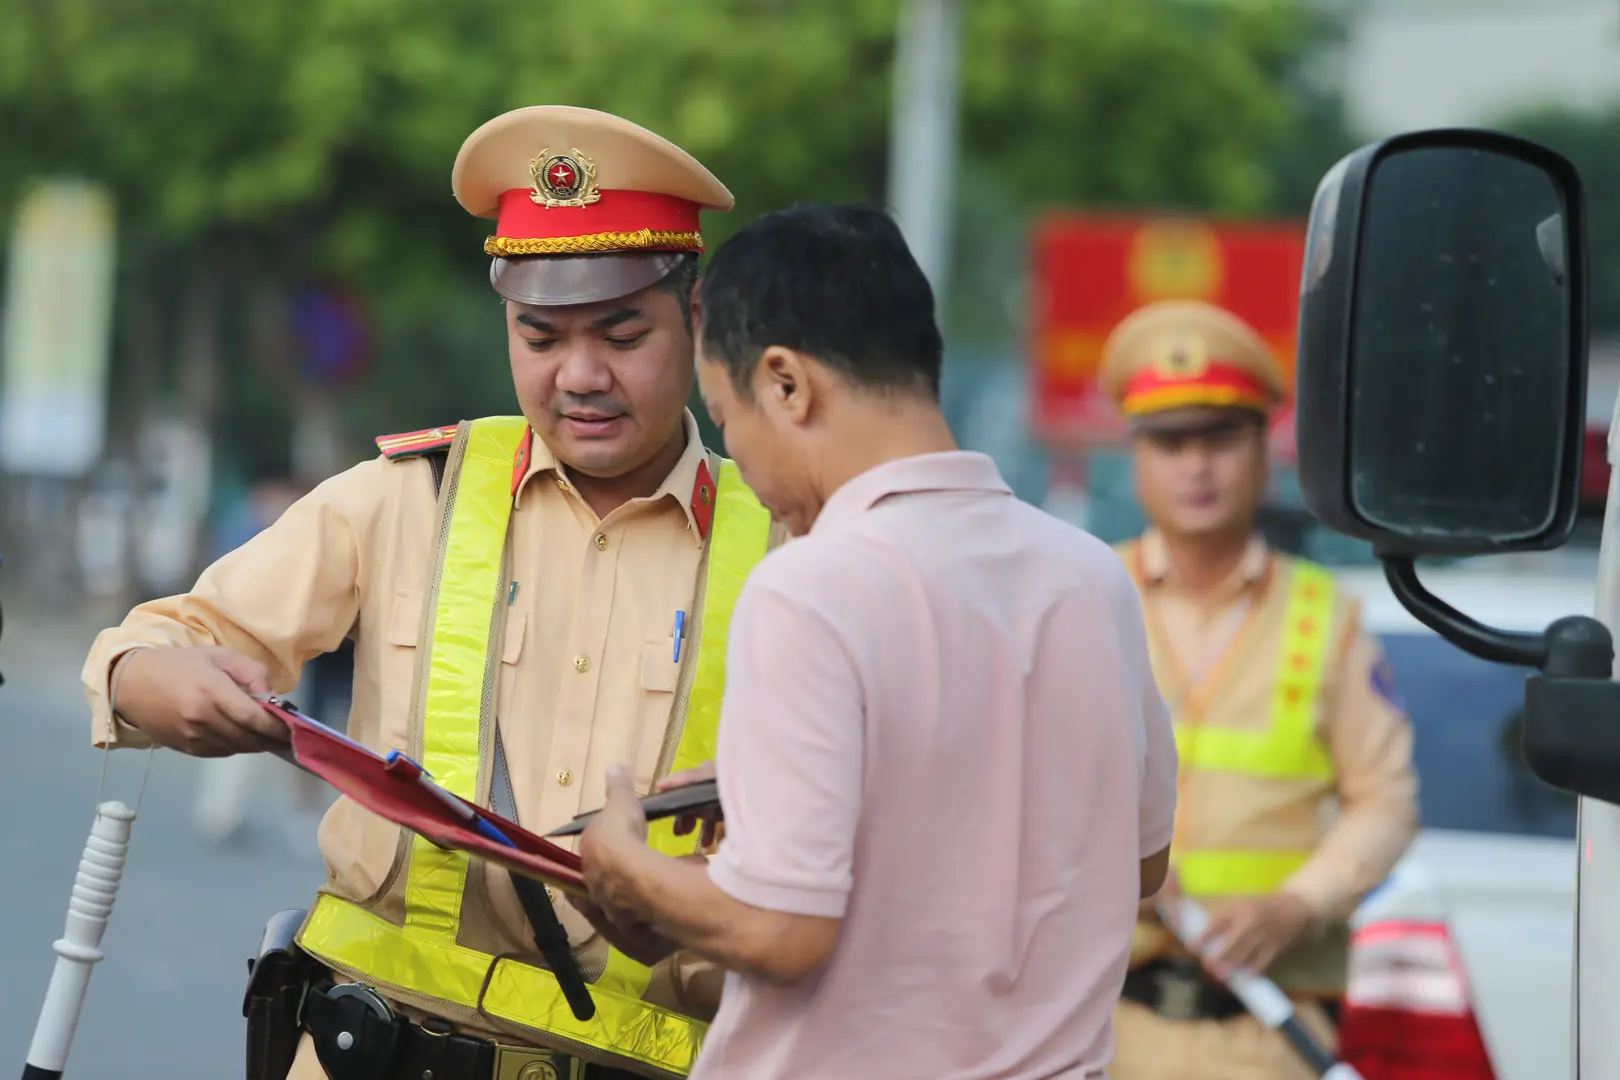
{"points": [[1296, 794]]}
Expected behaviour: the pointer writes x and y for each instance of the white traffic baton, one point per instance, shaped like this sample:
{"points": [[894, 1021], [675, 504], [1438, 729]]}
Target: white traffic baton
{"points": [[1263, 998], [95, 888]]}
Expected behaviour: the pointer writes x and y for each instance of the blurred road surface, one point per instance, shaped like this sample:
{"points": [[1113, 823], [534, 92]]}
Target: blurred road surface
{"points": [[166, 1001]]}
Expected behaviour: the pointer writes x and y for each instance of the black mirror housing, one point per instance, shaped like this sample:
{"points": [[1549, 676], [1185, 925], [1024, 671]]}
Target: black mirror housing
{"points": [[1441, 377]]}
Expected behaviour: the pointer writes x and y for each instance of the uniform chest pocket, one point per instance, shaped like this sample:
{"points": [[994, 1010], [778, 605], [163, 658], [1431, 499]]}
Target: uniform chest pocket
{"points": [[660, 676], [405, 618], [517, 624], [512, 637], [397, 671], [404, 636], [659, 671]]}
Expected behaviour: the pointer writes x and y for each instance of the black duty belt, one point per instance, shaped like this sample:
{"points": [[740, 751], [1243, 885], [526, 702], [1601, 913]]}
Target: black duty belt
{"points": [[358, 1036], [1180, 990]]}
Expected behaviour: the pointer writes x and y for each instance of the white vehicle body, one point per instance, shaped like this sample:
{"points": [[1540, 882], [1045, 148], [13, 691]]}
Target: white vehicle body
{"points": [[1506, 901]]}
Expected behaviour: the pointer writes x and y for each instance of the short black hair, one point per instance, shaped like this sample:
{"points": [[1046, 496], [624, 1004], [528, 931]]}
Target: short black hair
{"points": [[680, 282], [837, 283]]}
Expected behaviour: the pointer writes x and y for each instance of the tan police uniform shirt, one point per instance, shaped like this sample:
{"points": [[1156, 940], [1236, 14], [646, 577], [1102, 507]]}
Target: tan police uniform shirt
{"points": [[1366, 733], [587, 675]]}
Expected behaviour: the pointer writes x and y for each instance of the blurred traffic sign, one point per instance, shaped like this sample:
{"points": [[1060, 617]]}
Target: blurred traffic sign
{"points": [[1090, 272], [58, 330], [335, 338]]}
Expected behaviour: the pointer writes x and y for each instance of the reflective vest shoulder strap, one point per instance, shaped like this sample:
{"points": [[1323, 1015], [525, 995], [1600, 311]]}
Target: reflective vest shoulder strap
{"points": [[1287, 749], [735, 549], [466, 593], [737, 542]]}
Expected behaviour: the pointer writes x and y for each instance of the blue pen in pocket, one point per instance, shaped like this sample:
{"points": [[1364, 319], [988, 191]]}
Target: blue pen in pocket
{"points": [[680, 627]]}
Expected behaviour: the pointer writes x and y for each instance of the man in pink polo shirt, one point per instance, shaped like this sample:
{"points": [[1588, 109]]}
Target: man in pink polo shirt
{"points": [[948, 776]]}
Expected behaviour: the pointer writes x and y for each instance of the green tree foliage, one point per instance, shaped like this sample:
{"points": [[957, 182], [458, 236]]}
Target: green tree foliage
{"points": [[257, 147], [1163, 105]]}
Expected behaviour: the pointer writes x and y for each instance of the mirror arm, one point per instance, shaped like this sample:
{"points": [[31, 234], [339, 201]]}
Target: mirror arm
{"points": [[1498, 646]]}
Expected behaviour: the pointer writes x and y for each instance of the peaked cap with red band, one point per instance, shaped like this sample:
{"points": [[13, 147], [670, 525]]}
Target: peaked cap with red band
{"points": [[588, 206], [1176, 355]]}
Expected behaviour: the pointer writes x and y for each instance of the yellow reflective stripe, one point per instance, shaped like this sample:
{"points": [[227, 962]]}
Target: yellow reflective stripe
{"points": [[1307, 626], [1256, 753], [1289, 748], [742, 529], [738, 538], [623, 1025], [1236, 873], [452, 723]]}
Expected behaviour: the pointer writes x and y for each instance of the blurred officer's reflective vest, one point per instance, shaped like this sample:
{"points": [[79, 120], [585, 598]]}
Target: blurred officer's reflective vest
{"points": [[414, 940], [1250, 753]]}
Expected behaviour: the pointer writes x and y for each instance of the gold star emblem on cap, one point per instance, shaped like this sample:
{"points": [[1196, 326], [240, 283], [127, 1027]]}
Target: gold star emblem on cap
{"points": [[563, 179], [1181, 356]]}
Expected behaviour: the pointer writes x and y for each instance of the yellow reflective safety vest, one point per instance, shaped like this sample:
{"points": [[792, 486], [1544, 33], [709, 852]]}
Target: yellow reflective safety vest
{"points": [[1254, 775], [410, 940], [1282, 759]]}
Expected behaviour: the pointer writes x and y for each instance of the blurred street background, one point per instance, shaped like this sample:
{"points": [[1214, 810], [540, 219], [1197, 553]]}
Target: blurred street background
{"points": [[232, 258]]}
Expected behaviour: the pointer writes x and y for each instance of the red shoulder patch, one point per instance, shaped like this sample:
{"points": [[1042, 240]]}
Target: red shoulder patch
{"points": [[520, 460], [411, 443], [703, 500]]}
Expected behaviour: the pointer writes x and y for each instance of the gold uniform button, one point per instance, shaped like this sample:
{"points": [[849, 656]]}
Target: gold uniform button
{"points": [[601, 542], [582, 663], [564, 777]]}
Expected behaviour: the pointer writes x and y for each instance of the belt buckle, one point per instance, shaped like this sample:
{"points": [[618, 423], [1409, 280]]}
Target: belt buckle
{"points": [[1180, 992], [534, 1063]]}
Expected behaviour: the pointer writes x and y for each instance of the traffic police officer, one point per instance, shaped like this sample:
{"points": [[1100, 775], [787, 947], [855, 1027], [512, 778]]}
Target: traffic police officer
{"points": [[531, 600], [1296, 791]]}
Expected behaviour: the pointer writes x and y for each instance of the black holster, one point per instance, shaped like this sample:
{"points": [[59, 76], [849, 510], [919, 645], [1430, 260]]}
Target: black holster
{"points": [[278, 979]]}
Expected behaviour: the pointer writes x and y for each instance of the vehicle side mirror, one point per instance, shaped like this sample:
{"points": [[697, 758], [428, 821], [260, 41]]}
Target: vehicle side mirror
{"points": [[1441, 394], [1441, 397]]}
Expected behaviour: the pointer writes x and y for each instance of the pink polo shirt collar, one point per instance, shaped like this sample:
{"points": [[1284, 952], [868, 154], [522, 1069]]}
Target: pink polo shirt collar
{"points": [[951, 470]]}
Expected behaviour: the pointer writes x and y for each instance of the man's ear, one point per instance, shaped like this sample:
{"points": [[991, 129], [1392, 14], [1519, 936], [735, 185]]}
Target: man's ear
{"points": [[781, 380], [695, 307]]}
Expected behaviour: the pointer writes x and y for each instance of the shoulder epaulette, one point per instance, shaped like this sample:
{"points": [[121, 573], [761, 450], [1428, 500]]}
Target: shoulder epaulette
{"points": [[1310, 565], [1298, 564], [413, 443]]}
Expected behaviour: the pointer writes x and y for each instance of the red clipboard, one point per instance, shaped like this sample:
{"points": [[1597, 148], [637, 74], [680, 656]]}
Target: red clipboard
{"points": [[395, 793]]}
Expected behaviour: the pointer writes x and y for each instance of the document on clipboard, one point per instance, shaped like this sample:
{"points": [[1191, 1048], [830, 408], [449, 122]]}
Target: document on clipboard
{"points": [[399, 789]]}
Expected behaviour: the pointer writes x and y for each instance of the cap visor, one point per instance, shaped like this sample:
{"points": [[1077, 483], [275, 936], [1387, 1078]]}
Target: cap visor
{"points": [[554, 280], [1193, 419]]}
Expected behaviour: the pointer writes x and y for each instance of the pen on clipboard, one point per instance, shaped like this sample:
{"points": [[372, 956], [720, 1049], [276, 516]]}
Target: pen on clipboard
{"points": [[395, 760], [680, 628]]}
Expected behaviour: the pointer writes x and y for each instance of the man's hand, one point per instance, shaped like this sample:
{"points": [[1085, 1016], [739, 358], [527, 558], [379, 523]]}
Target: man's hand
{"points": [[1169, 895], [685, 823], [198, 700], [1253, 933], [639, 942], [608, 848]]}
